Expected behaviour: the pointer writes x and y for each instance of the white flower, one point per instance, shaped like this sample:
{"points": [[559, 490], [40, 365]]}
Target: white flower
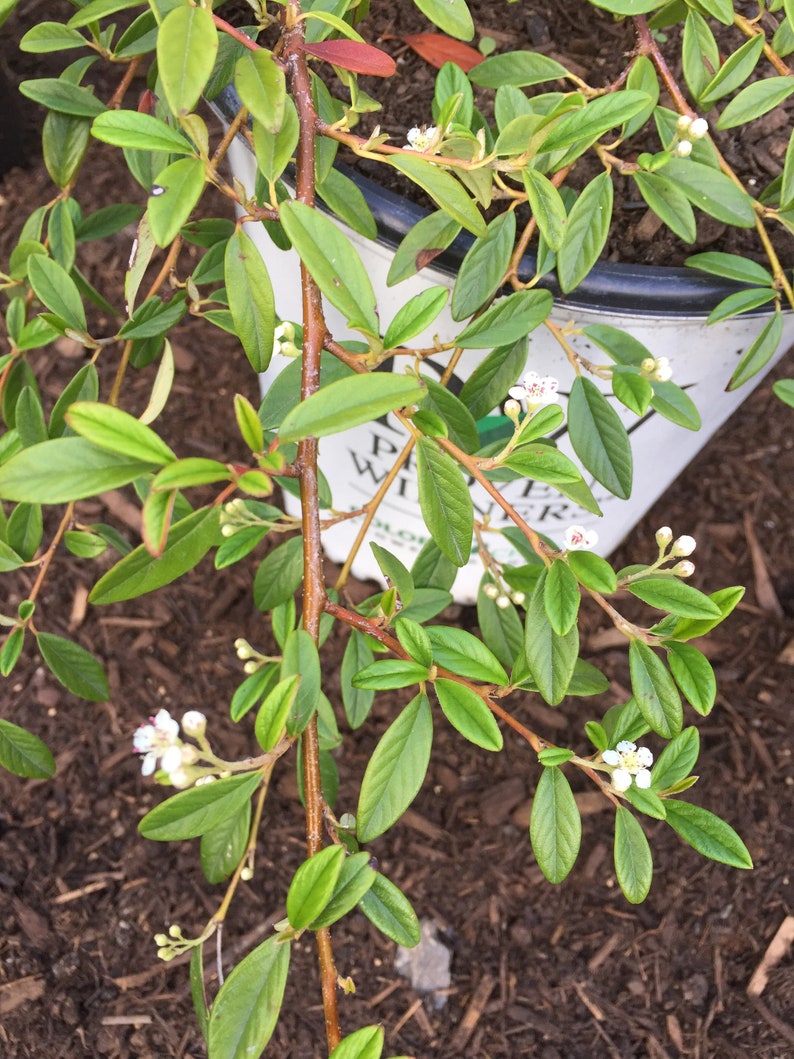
{"points": [[154, 740], [194, 723], [683, 545], [578, 538], [698, 129], [536, 390], [683, 149], [629, 762], [657, 369], [420, 137]]}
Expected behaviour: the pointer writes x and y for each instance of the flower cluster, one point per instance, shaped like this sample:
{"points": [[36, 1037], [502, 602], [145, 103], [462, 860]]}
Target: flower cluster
{"points": [[675, 549], [657, 369], [159, 742], [629, 763], [577, 538], [535, 390], [503, 597], [284, 340], [688, 131]]}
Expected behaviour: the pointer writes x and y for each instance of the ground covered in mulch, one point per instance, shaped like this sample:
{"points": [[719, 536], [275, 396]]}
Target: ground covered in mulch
{"points": [[564, 972]]}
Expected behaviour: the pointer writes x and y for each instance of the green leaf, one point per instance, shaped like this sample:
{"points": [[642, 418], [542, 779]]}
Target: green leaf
{"points": [[554, 755], [97, 9], [300, 658], [194, 812], [396, 770], [154, 317], [272, 716], [783, 389], [190, 472], [186, 48], [599, 438], [712, 191], [668, 593], [246, 1009], [731, 266], [483, 268], [333, 263], [493, 376], [707, 833], [561, 597], [117, 431], [312, 886], [694, 675], [415, 316], [12, 648], [357, 701], [346, 200], [551, 658], [197, 989], [633, 860], [544, 463], [366, 1043], [507, 321], [425, 241], [62, 96], [144, 132], [668, 203], [252, 689], [432, 569], [547, 207], [64, 142], [654, 691], [65, 469], [139, 572], [25, 530], [587, 123], [395, 572], [390, 910], [593, 572], [458, 422], [23, 753], [389, 673], [414, 639], [517, 68], [585, 232], [443, 189], [555, 827], [466, 711], [349, 402], [690, 628], [741, 302], [451, 16], [55, 289], [51, 36], [355, 879], [182, 184], [755, 100], [462, 653], [251, 299], [445, 501], [29, 417], [733, 72], [223, 846], [676, 761], [501, 628], [674, 404], [759, 352], [273, 151], [632, 390], [73, 667], [279, 575], [261, 85]]}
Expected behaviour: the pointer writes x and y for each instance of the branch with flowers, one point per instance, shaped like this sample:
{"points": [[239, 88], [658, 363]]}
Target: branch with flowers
{"points": [[528, 608]]}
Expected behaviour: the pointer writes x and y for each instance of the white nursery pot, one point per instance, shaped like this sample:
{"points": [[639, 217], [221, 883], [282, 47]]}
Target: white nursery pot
{"points": [[664, 308]]}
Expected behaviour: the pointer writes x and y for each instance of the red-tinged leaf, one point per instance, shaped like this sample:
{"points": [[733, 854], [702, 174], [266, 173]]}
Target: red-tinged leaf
{"points": [[353, 55], [438, 48], [425, 257]]}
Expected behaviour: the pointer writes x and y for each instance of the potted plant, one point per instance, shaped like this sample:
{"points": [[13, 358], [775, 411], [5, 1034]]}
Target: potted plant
{"points": [[528, 610]]}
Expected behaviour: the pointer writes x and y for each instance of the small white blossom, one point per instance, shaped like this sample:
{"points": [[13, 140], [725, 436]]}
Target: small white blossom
{"points": [[194, 723], [536, 390], [657, 369], [420, 137], [683, 545], [630, 764], [155, 739], [698, 129], [683, 149], [578, 538]]}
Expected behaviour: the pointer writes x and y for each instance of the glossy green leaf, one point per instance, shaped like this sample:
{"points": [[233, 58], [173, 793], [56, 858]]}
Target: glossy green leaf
{"points": [[344, 197], [759, 352], [279, 574], [60, 233], [139, 572], [50, 37], [443, 189], [154, 317], [741, 302], [425, 241], [251, 299], [55, 289], [654, 690], [677, 760], [274, 150], [555, 827], [261, 85], [300, 658], [414, 640], [551, 658], [366, 1043], [389, 909], [24, 754], [193, 812], [599, 438], [65, 469], [74, 667], [128, 128], [731, 266], [94, 10], [111, 428], [312, 886], [462, 653], [517, 68], [451, 417], [668, 203], [543, 463], [706, 833], [353, 882], [175, 193], [561, 597], [356, 701], [415, 316], [349, 402], [29, 417], [493, 376], [388, 673], [712, 191], [245, 1011], [784, 391], [690, 628], [333, 263], [445, 501], [507, 321], [733, 72], [632, 390], [668, 593], [547, 207], [501, 628], [60, 95], [755, 100], [398, 576], [585, 232], [186, 48], [396, 770], [451, 16], [223, 846], [466, 711], [694, 675], [25, 529], [593, 572], [670, 401], [588, 123], [633, 860], [483, 268], [272, 716]]}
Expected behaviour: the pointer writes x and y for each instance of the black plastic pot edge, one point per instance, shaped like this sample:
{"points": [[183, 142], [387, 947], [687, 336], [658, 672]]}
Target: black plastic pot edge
{"points": [[623, 289]]}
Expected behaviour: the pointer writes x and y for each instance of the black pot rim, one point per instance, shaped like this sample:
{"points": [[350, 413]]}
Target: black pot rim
{"points": [[623, 289]]}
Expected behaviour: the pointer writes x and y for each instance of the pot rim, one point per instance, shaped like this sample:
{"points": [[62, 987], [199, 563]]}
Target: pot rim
{"points": [[624, 289]]}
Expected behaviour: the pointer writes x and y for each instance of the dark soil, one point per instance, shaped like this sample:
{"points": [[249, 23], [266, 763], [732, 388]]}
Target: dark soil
{"points": [[568, 972]]}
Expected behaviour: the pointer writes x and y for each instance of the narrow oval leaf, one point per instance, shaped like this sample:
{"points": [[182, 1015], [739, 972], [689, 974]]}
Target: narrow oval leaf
{"points": [[561, 597], [707, 833], [24, 754], [222, 848], [300, 658], [396, 770], [187, 44], [64, 469], [633, 860], [355, 55], [366, 1043], [445, 501], [279, 575], [483, 268], [355, 879], [466, 711], [111, 428], [551, 658], [348, 403], [385, 905], [464, 654], [272, 716], [555, 827], [451, 16], [676, 761], [192, 813], [175, 192], [510, 319], [246, 1009], [586, 231], [357, 701], [599, 438], [694, 675], [55, 93], [261, 85], [443, 189], [144, 132], [417, 314], [56, 290], [517, 68], [654, 690], [677, 597], [251, 299], [312, 886]]}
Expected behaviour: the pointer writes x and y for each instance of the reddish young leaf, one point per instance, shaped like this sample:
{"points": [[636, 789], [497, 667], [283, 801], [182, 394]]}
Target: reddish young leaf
{"points": [[437, 49], [353, 55]]}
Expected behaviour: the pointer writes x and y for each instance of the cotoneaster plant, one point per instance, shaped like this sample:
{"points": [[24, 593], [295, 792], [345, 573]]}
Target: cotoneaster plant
{"points": [[641, 753]]}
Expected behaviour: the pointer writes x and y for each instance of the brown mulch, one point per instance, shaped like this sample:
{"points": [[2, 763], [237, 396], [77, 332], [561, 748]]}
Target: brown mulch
{"points": [[564, 972]]}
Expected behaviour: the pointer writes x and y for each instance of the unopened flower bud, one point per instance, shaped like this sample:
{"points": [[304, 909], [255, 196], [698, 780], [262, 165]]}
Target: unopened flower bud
{"points": [[683, 546], [512, 409], [175, 930], [663, 536], [250, 667], [684, 124], [247, 873], [490, 590], [228, 530], [683, 149], [698, 129], [243, 649], [503, 602], [161, 939], [166, 955], [194, 723], [519, 598], [683, 569]]}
